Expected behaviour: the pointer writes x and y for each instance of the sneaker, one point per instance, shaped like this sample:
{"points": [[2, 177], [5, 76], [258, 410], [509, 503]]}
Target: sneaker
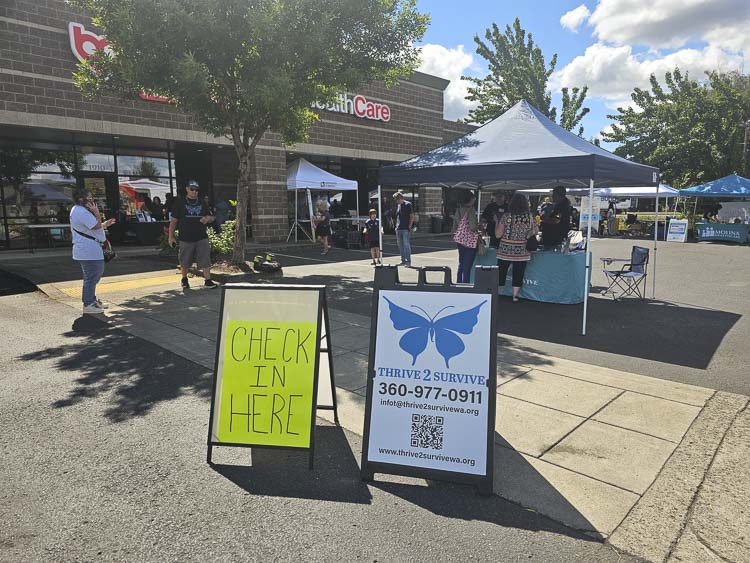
{"points": [[101, 304], [210, 284], [185, 284], [92, 309]]}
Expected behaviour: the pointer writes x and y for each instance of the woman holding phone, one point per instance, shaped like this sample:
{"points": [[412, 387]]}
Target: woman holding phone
{"points": [[88, 236]]}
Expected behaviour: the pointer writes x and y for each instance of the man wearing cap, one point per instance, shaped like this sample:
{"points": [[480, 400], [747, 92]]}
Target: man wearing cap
{"points": [[404, 223], [190, 216]]}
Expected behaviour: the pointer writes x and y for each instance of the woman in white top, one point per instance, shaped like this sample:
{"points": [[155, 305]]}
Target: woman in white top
{"points": [[87, 228]]}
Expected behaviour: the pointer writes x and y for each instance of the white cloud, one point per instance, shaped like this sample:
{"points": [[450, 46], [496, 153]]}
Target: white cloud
{"points": [[451, 64], [670, 23], [612, 72], [574, 18]]}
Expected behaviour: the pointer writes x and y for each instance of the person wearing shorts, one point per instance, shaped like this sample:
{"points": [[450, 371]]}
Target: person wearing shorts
{"points": [[190, 216], [372, 229]]}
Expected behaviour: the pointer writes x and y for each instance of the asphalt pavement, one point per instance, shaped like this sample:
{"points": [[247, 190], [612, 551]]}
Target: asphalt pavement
{"points": [[103, 458]]}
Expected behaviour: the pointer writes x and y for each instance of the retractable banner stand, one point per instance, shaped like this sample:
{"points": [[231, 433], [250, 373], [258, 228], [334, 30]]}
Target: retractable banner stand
{"points": [[430, 406], [268, 366]]}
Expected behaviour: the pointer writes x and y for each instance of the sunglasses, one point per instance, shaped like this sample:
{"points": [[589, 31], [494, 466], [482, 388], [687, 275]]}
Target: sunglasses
{"points": [[192, 189]]}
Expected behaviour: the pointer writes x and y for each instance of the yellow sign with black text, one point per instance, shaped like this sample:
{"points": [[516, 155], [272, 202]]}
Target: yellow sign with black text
{"points": [[267, 366]]}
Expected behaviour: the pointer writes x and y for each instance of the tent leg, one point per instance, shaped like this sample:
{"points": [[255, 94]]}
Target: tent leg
{"points": [[656, 240], [587, 276], [296, 214], [380, 218]]}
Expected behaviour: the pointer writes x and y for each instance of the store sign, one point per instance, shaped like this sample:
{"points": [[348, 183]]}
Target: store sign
{"points": [[85, 43], [430, 399], [358, 106]]}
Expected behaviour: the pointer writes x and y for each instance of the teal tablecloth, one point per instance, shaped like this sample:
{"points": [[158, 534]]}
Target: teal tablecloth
{"points": [[730, 232], [550, 276]]}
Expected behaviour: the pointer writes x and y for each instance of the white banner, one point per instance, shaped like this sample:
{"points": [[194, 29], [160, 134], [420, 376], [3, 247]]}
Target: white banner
{"points": [[430, 398]]}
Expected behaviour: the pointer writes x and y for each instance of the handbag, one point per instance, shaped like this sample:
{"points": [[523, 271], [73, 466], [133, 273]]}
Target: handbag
{"points": [[532, 243], [107, 250]]}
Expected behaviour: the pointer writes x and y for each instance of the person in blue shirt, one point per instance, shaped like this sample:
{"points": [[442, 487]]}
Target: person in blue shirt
{"points": [[372, 228]]}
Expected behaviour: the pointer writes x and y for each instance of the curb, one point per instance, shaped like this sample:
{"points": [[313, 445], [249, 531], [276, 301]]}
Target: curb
{"points": [[655, 524]]}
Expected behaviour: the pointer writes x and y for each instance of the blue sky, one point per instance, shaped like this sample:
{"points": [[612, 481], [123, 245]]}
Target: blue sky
{"points": [[610, 45]]}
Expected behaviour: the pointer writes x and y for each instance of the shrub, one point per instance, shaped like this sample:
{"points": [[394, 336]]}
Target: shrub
{"points": [[222, 242]]}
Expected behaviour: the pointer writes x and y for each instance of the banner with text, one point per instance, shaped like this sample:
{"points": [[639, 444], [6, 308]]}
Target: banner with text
{"points": [[429, 403]]}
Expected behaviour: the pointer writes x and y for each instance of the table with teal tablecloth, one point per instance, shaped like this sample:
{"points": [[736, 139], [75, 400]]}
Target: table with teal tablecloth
{"points": [[552, 277], [729, 232]]}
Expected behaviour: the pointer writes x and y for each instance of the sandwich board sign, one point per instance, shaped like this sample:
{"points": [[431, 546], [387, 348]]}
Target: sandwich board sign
{"points": [[430, 404], [677, 231], [267, 369]]}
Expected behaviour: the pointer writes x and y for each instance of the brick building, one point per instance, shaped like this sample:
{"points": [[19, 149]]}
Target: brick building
{"points": [[123, 148]]}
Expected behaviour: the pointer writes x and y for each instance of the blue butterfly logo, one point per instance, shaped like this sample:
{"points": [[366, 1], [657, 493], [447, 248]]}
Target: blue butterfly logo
{"points": [[443, 332]]}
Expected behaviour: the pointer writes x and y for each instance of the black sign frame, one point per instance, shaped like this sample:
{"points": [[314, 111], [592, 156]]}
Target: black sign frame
{"points": [[485, 282], [322, 310]]}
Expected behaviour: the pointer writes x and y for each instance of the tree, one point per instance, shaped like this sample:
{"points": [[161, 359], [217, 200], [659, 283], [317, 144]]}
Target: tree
{"points": [[518, 71], [146, 169], [17, 165], [691, 131], [242, 68]]}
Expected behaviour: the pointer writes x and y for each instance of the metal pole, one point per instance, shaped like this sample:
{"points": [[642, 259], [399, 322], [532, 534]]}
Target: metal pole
{"points": [[588, 258], [296, 214], [380, 217], [656, 239]]}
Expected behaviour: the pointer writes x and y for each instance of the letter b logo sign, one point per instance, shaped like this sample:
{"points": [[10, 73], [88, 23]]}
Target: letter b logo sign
{"points": [[84, 43]]}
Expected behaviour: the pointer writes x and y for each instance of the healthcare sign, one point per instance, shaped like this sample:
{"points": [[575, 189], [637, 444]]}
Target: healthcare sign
{"points": [[431, 400], [267, 365]]}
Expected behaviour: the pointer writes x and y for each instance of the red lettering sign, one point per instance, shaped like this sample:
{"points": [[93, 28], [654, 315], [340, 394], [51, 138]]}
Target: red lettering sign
{"points": [[85, 43]]}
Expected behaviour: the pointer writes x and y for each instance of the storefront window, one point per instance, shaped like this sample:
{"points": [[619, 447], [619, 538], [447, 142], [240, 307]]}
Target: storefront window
{"points": [[96, 162], [143, 166]]}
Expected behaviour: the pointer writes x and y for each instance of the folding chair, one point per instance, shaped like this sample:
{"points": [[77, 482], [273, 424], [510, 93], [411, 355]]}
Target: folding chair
{"points": [[631, 278]]}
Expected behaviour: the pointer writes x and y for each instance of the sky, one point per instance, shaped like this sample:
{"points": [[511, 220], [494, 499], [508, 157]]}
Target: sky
{"points": [[612, 46]]}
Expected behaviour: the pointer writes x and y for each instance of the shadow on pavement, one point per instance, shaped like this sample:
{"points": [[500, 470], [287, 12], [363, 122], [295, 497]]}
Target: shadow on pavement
{"points": [[285, 473], [140, 379], [462, 503], [653, 330]]}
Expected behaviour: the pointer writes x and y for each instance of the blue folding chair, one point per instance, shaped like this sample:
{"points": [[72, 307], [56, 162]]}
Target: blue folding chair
{"points": [[631, 278]]}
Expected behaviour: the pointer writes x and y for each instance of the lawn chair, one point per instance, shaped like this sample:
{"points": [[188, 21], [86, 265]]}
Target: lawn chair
{"points": [[631, 278]]}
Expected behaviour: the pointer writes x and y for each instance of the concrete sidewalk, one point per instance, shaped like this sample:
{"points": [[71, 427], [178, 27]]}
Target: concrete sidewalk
{"points": [[656, 468]]}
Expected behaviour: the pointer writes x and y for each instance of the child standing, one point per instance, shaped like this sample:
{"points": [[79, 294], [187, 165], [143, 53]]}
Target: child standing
{"points": [[372, 228]]}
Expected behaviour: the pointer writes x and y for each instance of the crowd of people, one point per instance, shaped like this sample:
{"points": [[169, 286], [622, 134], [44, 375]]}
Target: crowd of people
{"points": [[513, 230]]}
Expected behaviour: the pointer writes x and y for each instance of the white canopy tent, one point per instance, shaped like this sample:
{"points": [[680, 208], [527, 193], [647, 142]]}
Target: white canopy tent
{"points": [[303, 175]]}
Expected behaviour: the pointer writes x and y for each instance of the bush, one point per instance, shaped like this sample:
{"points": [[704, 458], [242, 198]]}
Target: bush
{"points": [[222, 242]]}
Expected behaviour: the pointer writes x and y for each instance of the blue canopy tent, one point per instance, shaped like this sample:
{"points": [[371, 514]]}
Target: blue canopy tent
{"points": [[728, 186], [520, 149]]}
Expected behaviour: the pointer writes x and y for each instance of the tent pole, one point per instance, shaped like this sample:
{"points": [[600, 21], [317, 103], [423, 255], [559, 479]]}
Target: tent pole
{"points": [[479, 202], [380, 220], [587, 277], [296, 214], [656, 240]]}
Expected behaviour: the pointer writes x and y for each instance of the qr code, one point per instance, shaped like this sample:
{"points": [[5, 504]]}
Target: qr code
{"points": [[427, 431]]}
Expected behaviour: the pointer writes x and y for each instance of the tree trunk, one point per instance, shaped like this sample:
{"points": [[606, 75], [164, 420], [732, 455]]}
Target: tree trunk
{"points": [[243, 195]]}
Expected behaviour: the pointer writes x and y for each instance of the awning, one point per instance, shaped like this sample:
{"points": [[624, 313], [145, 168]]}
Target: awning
{"points": [[303, 175], [728, 186]]}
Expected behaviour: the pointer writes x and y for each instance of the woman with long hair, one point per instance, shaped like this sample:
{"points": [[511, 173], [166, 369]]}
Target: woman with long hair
{"points": [[466, 237], [513, 229], [611, 219], [87, 226]]}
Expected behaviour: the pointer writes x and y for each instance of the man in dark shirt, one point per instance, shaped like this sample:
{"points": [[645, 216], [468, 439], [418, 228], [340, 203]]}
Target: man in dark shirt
{"points": [[190, 216], [557, 223], [404, 222], [492, 214]]}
